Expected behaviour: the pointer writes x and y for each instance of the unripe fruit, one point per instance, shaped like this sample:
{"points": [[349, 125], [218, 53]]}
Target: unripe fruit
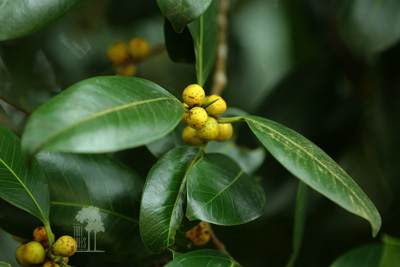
{"points": [[199, 235], [225, 132], [185, 115], [126, 69], [19, 256], [40, 235], [65, 260], [65, 246], [216, 108], [197, 118], [189, 135], [139, 48], [34, 253], [50, 264], [193, 95], [117, 52], [211, 131]]}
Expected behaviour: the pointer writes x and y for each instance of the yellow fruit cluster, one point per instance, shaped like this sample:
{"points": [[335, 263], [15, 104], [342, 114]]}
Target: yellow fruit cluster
{"points": [[199, 235], [125, 56], [201, 113], [34, 252]]}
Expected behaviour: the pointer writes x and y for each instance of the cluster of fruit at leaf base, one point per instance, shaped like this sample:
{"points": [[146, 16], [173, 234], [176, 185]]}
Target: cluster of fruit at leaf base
{"points": [[37, 252], [201, 114], [125, 56], [199, 235]]}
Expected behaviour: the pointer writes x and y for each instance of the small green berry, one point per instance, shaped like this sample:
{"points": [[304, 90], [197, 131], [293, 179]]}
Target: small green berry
{"points": [[211, 131], [193, 95], [65, 246], [34, 253], [20, 257], [189, 135], [197, 118]]}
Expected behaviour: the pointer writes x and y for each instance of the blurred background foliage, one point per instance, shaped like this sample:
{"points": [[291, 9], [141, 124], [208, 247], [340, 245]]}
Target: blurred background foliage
{"points": [[327, 69]]}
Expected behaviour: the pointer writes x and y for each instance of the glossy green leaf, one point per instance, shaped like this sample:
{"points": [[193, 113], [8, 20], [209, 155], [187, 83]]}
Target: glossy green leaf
{"points": [[299, 221], [182, 12], [314, 167], [220, 192], [391, 251], [205, 32], [201, 258], [5, 264], [164, 197], [21, 185], [98, 186], [369, 26], [20, 18], [179, 45], [366, 255], [102, 114], [168, 142]]}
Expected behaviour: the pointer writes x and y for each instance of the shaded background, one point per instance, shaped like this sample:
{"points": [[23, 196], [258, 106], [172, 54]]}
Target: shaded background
{"points": [[327, 69]]}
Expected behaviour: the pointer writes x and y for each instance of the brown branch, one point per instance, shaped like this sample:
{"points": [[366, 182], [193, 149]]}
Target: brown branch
{"points": [[217, 243], [220, 79]]}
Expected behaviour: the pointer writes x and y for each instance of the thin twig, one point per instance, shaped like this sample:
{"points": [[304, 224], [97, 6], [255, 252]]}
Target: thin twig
{"points": [[220, 79], [217, 243]]}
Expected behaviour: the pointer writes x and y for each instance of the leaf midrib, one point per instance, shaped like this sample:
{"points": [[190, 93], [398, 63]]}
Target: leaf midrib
{"points": [[27, 190], [100, 209], [95, 116], [311, 156], [226, 188]]}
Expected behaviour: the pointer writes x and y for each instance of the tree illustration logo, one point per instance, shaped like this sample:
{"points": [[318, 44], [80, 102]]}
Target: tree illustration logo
{"points": [[92, 218]]}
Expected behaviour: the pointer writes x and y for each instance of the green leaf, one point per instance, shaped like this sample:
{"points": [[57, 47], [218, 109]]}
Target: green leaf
{"points": [[168, 142], [182, 12], [369, 26], [5, 264], [179, 45], [96, 184], [314, 167], [299, 221], [220, 192], [20, 18], [21, 185], [391, 251], [164, 197], [205, 32], [102, 114], [201, 258], [365, 255]]}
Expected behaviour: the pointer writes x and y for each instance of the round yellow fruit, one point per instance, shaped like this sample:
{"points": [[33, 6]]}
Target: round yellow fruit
{"points": [[197, 118], [126, 69], [216, 108], [199, 235], [185, 115], [40, 235], [50, 264], [139, 48], [225, 132], [193, 95], [34, 253], [211, 131], [189, 135], [65, 260], [117, 52], [65, 246], [19, 256]]}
